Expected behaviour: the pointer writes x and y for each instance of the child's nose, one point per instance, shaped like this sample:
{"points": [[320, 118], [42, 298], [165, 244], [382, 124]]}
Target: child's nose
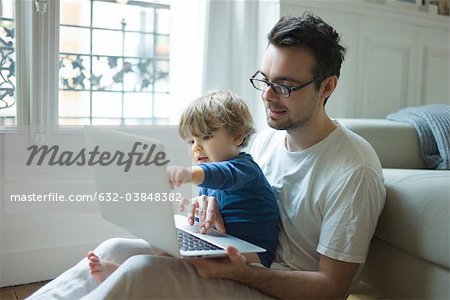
{"points": [[196, 146]]}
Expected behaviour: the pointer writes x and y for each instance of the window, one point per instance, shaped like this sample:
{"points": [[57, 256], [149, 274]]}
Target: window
{"points": [[113, 62], [8, 107], [81, 62]]}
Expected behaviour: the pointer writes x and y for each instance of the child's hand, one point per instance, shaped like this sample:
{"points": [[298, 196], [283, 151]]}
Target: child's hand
{"points": [[185, 204], [207, 209], [191, 206], [179, 175]]}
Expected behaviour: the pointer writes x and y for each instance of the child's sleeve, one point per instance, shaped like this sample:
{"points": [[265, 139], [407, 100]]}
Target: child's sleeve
{"points": [[231, 174]]}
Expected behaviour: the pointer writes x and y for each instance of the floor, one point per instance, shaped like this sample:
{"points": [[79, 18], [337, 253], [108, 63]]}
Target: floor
{"points": [[361, 292], [365, 292], [20, 291]]}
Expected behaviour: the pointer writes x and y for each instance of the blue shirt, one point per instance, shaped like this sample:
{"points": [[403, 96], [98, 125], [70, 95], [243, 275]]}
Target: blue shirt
{"points": [[246, 201]]}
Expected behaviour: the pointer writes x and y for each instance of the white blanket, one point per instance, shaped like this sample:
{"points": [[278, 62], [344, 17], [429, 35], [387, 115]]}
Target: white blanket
{"points": [[141, 277], [77, 281]]}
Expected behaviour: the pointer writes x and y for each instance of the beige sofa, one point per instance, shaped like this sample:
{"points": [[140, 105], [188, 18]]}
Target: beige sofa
{"points": [[409, 255]]}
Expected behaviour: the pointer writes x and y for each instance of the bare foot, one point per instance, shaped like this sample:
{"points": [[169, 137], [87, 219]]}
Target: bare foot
{"points": [[100, 269]]}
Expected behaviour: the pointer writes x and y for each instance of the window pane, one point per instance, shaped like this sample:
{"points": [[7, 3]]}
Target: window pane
{"points": [[138, 105], [138, 75], [107, 42], [133, 17], [74, 108], [162, 15], [74, 104], [74, 40], [139, 45], [162, 46], [117, 74], [107, 73], [107, 104], [8, 106], [106, 121], [140, 121], [74, 121], [162, 76], [74, 72], [75, 12], [163, 105]]}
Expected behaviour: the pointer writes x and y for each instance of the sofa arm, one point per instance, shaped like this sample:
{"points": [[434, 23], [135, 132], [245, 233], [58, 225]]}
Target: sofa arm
{"points": [[396, 144]]}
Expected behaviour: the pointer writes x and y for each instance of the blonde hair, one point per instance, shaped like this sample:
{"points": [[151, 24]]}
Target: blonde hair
{"points": [[215, 110]]}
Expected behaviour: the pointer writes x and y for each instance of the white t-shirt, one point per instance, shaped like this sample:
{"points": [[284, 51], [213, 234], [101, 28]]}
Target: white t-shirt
{"points": [[329, 196]]}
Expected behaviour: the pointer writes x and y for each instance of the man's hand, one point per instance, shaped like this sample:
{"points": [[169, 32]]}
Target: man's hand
{"points": [[207, 210], [331, 281], [230, 267]]}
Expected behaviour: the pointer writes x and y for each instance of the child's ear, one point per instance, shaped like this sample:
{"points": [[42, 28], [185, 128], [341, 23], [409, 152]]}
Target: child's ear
{"points": [[238, 140]]}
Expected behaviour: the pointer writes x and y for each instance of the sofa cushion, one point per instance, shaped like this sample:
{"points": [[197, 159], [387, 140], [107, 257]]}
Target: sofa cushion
{"points": [[396, 144], [416, 214]]}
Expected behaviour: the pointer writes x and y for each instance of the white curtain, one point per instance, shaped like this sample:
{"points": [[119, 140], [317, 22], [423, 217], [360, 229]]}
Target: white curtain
{"points": [[219, 45], [186, 53], [230, 44], [235, 40], [231, 47]]}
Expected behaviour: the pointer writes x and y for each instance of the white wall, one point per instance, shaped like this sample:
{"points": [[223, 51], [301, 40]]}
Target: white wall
{"points": [[397, 56], [39, 246]]}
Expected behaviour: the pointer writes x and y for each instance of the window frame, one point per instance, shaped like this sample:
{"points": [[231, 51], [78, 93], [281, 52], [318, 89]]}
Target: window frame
{"points": [[44, 55], [22, 23]]}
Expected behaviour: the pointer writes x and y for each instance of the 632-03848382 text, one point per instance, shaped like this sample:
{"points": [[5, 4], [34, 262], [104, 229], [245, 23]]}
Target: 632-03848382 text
{"points": [[97, 196]]}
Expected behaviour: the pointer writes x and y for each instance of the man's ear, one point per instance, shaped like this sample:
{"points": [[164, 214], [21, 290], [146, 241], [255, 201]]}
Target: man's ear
{"points": [[328, 86]]}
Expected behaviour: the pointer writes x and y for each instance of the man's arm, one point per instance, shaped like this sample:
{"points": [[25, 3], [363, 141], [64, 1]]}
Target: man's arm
{"points": [[332, 280]]}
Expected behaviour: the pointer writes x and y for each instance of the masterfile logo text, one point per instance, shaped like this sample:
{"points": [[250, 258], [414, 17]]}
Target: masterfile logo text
{"points": [[141, 154]]}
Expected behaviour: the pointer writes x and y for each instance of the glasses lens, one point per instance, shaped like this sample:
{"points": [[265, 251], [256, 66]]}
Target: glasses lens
{"points": [[280, 90], [259, 84]]}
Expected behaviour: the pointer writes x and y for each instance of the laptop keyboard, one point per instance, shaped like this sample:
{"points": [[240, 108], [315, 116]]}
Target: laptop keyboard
{"points": [[189, 242]]}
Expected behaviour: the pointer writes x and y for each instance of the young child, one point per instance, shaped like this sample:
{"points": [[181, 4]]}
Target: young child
{"points": [[218, 125]]}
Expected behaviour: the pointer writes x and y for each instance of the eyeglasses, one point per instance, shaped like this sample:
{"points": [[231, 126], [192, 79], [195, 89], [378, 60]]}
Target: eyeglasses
{"points": [[279, 89]]}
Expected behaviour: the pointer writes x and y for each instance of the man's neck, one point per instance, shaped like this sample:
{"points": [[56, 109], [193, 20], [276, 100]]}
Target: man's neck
{"points": [[310, 134]]}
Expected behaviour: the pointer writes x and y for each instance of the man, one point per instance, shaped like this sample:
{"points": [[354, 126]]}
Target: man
{"points": [[328, 183]]}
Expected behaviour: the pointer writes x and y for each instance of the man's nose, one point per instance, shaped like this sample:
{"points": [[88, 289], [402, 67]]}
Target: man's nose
{"points": [[269, 94]]}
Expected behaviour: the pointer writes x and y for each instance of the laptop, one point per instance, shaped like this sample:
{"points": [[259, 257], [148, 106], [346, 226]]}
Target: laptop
{"points": [[139, 199]]}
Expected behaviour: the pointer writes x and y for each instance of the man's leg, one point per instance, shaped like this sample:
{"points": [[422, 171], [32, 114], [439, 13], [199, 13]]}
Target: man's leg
{"points": [[156, 277], [77, 282]]}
